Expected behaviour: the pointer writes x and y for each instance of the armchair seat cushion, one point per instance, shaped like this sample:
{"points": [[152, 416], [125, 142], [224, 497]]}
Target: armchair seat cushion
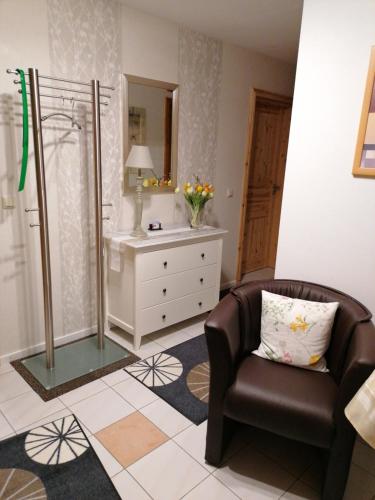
{"points": [[290, 401]]}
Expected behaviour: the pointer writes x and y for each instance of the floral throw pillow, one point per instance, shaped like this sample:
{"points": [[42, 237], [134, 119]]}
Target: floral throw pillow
{"points": [[295, 331]]}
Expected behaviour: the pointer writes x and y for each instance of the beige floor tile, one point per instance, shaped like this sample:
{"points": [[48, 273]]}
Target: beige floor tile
{"points": [[108, 461], [299, 491], [131, 438], [253, 476], [211, 489], [360, 486], [135, 393], [128, 488], [165, 417], [28, 408], [167, 473], [83, 392], [116, 377], [101, 410], [5, 429], [12, 385]]}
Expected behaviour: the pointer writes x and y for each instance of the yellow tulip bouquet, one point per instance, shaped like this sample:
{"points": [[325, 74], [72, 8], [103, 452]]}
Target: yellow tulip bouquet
{"points": [[197, 195]]}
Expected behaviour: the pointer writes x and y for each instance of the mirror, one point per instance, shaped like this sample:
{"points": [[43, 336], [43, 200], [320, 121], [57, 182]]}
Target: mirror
{"points": [[150, 114]]}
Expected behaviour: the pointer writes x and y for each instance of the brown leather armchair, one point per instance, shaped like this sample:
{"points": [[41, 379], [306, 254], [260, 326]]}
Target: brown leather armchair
{"points": [[299, 404]]}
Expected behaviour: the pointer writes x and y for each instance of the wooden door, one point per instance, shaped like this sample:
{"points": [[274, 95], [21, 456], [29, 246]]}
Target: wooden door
{"points": [[265, 184]]}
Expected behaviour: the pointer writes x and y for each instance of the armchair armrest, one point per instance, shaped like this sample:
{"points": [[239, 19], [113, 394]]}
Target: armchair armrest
{"points": [[360, 363], [223, 336]]}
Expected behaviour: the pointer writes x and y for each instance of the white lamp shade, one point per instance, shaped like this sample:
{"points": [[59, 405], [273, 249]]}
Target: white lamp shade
{"points": [[139, 157]]}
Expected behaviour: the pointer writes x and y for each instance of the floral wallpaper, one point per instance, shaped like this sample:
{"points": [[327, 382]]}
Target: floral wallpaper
{"points": [[85, 43], [200, 69], [84, 39]]}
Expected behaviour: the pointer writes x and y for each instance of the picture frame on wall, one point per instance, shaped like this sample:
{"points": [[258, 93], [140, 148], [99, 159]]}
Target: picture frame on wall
{"points": [[364, 159]]}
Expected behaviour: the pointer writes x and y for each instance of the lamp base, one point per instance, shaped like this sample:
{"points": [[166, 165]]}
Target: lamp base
{"points": [[138, 232]]}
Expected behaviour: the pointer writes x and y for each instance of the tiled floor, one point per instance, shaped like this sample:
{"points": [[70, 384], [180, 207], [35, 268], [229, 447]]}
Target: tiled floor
{"points": [[152, 451]]}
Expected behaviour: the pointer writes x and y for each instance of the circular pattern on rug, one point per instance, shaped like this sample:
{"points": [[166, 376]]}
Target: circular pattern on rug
{"points": [[57, 442], [198, 381], [156, 371], [19, 484]]}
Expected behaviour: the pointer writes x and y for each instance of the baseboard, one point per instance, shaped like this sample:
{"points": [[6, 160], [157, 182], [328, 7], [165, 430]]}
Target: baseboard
{"points": [[28, 351], [228, 284]]}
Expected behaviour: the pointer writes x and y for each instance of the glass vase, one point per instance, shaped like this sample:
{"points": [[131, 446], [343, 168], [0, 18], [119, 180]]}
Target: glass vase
{"points": [[195, 216]]}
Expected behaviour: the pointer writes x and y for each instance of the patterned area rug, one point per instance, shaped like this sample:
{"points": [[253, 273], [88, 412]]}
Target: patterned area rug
{"points": [[54, 461], [180, 375]]}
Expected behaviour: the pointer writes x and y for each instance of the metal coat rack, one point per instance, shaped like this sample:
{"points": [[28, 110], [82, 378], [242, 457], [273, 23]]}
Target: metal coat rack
{"points": [[93, 91]]}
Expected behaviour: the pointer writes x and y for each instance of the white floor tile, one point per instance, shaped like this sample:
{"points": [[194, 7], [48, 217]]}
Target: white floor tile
{"points": [[193, 441], [253, 476], [165, 417], [293, 456], [168, 339], [314, 475], [148, 347], [83, 392], [108, 461], [135, 393], [28, 408], [49, 418], [300, 491], [116, 377], [167, 473], [101, 410], [128, 488], [12, 385], [210, 489], [5, 429], [360, 486], [6, 367], [364, 456]]}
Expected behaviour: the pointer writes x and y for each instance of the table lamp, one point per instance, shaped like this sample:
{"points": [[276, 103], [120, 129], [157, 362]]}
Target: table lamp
{"points": [[139, 158]]}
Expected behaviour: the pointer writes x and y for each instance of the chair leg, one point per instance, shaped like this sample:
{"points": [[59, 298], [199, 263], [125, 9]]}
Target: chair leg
{"points": [[338, 466], [219, 432]]}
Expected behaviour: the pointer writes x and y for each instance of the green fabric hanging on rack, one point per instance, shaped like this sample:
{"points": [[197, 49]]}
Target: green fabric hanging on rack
{"points": [[25, 131]]}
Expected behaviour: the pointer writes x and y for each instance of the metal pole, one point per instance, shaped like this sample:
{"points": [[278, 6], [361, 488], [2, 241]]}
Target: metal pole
{"points": [[43, 215], [98, 211]]}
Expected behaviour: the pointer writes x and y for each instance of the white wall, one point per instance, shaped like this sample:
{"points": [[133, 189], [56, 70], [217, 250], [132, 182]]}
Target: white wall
{"points": [[21, 312], [327, 232], [242, 70]]}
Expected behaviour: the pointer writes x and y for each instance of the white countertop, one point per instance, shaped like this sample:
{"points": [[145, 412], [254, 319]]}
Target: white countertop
{"points": [[165, 236]]}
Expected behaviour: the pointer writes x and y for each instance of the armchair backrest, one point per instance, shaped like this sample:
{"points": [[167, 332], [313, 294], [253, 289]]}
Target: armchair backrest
{"points": [[350, 312]]}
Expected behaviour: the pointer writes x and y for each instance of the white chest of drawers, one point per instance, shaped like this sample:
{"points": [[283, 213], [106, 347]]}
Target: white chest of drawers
{"points": [[164, 279]]}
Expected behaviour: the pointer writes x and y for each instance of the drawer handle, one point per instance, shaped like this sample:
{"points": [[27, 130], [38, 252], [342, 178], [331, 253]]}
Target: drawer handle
{"points": [[164, 317], [165, 264], [202, 255], [201, 280], [200, 304], [164, 291]]}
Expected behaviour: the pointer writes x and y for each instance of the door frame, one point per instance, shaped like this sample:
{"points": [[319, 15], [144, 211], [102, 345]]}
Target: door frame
{"points": [[255, 94]]}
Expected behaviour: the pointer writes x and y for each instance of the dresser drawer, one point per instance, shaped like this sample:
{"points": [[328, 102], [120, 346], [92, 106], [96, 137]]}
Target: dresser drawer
{"points": [[174, 286], [158, 317], [175, 260]]}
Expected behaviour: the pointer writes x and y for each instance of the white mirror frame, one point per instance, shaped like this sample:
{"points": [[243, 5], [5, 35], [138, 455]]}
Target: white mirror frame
{"points": [[173, 87]]}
